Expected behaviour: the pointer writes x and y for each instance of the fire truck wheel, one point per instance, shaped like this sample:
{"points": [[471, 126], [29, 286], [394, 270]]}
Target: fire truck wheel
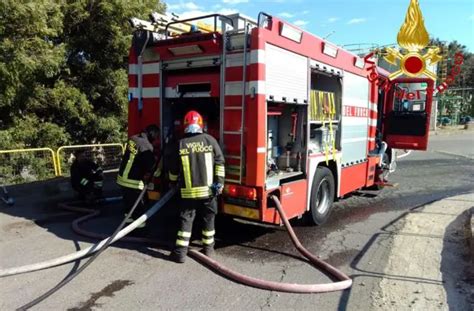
{"points": [[322, 196]]}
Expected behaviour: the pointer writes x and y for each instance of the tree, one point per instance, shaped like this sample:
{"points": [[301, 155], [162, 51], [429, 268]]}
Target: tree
{"points": [[457, 101], [466, 76], [63, 70]]}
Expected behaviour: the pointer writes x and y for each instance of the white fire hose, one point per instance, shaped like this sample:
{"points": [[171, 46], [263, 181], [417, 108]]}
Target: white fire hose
{"points": [[93, 248]]}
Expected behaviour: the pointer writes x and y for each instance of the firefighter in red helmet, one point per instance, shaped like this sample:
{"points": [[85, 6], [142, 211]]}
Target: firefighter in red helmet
{"points": [[199, 164]]}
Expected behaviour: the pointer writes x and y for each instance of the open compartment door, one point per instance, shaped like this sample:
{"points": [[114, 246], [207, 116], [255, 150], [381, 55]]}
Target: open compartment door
{"points": [[407, 111]]}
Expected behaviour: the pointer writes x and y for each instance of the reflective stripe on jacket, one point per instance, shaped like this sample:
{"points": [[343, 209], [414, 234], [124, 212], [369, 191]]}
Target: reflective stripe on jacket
{"points": [[137, 162]]}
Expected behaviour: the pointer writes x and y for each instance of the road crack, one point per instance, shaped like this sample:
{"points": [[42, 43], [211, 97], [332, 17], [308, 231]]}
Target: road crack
{"points": [[268, 300]]}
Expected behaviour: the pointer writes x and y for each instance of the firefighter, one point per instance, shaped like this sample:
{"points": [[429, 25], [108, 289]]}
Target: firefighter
{"points": [[199, 163], [86, 177], [138, 164]]}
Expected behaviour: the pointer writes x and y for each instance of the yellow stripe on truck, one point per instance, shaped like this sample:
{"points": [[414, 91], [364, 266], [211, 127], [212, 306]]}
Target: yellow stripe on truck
{"points": [[241, 211]]}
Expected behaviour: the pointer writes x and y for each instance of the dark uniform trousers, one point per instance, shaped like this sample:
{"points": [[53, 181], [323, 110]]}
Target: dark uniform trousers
{"points": [[206, 210]]}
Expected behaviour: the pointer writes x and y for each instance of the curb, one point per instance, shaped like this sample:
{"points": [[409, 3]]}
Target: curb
{"points": [[471, 232]]}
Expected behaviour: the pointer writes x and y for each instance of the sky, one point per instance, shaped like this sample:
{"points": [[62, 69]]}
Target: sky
{"points": [[349, 22]]}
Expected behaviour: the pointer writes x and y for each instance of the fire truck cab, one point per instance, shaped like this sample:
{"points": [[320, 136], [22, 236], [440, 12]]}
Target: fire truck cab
{"points": [[295, 115]]}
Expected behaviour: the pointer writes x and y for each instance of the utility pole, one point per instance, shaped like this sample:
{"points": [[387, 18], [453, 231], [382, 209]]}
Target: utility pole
{"points": [[463, 85]]}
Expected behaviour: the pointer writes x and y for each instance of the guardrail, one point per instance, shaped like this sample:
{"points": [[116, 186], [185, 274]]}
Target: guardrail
{"points": [[34, 164]]}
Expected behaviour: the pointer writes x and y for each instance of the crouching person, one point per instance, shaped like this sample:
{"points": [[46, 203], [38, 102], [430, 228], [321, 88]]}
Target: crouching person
{"points": [[86, 177]]}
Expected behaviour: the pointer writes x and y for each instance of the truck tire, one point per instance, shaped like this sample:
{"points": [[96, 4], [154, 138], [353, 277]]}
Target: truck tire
{"points": [[322, 196]]}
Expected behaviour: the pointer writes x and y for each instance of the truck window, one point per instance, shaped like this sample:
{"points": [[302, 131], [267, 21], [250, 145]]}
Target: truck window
{"points": [[409, 97]]}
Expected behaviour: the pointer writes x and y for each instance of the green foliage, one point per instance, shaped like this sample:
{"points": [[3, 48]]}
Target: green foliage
{"points": [[63, 70], [31, 131], [466, 77], [458, 100]]}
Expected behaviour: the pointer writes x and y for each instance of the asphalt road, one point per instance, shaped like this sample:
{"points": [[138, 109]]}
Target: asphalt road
{"points": [[355, 239]]}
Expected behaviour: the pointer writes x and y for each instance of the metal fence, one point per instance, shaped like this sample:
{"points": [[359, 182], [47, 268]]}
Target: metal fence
{"points": [[34, 164], [107, 156], [27, 165]]}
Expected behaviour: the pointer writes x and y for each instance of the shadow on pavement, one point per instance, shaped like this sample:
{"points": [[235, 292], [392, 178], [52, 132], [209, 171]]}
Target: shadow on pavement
{"points": [[457, 272]]}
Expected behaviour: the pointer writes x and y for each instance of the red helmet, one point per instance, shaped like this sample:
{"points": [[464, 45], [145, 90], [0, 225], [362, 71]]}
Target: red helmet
{"points": [[193, 122]]}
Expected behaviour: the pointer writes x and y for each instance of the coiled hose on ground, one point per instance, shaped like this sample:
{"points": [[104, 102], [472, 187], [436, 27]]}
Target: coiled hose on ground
{"points": [[343, 282]]}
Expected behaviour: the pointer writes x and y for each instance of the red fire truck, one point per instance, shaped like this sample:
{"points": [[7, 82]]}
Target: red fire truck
{"points": [[295, 115]]}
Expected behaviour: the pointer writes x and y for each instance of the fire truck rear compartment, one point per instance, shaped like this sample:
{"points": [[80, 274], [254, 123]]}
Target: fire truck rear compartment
{"points": [[174, 110], [191, 89]]}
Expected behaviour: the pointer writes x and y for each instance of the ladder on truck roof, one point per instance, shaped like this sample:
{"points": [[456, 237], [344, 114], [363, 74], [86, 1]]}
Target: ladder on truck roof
{"points": [[159, 24], [235, 40]]}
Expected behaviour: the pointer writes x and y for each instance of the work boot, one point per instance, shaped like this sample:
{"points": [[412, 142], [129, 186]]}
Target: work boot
{"points": [[178, 257], [208, 251]]}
